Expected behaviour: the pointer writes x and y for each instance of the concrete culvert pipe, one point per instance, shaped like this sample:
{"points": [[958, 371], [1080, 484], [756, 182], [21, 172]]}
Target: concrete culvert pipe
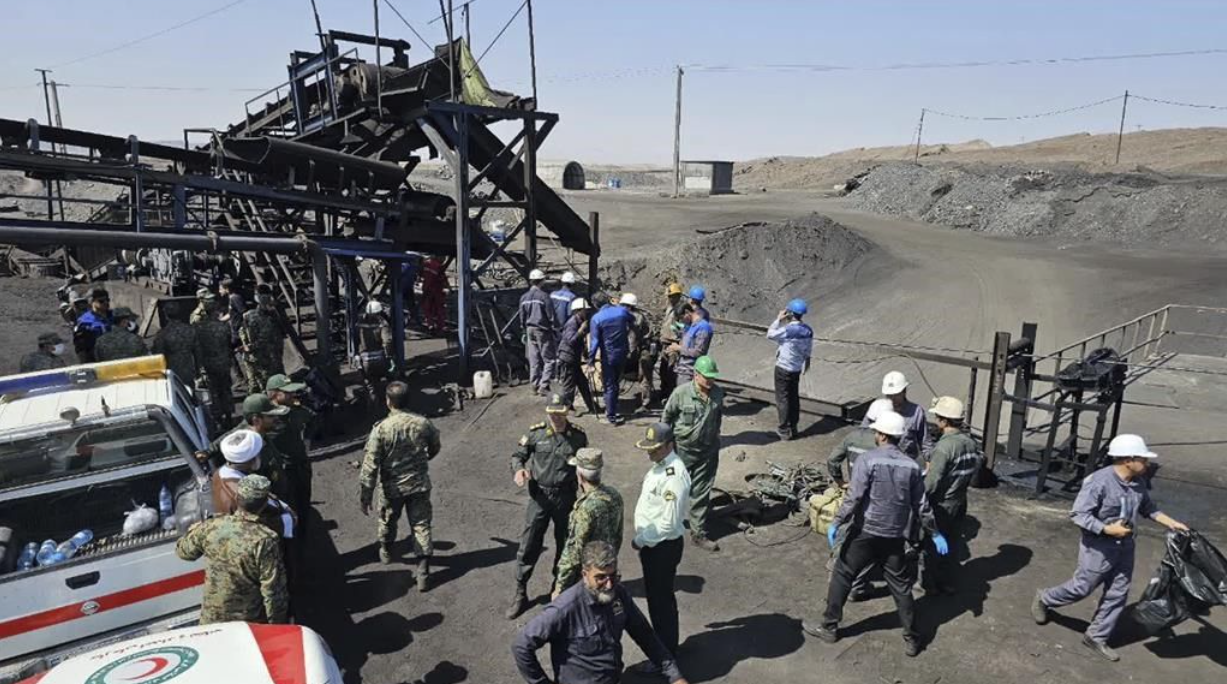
{"points": [[565, 175]]}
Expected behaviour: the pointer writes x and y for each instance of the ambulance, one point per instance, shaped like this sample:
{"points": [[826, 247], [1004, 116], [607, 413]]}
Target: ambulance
{"points": [[80, 448], [228, 652]]}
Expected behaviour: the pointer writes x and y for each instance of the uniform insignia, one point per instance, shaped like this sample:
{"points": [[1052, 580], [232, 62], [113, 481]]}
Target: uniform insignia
{"points": [[617, 607], [669, 495], [669, 470], [524, 440], [538, 426]]}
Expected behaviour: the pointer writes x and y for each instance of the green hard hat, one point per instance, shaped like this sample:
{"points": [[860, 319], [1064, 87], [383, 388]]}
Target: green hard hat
{"points": [[706, 366]]}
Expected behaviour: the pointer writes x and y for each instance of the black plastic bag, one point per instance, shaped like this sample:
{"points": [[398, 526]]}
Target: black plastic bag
{"points": [[1200, 567], [1163, 604]]}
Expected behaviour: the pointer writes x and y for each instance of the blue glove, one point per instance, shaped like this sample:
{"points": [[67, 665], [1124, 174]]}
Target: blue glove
{"points": [[832, 530], [939, 542]]}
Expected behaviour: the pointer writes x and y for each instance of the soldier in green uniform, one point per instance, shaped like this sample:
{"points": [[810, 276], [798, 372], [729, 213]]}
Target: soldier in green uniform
{"points": [[954, 461], [397, 455], [177, 342], [204, 302], [213, 351], [695, 411], [121, 341], [290, 438], [597, 516], [48, 356], [244, 574], [260, 415], [263, 344], [541, 464]]}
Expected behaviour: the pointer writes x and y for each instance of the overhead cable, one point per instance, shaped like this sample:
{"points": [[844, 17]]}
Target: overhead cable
{"points": [[149, 36], [501, 31], [1175, 103], [1039, 115], [405, 21]]}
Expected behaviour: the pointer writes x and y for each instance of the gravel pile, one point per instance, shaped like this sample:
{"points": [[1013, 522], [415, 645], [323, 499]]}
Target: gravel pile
{"points": [[1063, 202], [749, 271]]}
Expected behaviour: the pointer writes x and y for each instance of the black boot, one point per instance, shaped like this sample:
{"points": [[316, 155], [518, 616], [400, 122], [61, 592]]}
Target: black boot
{"points": [[518, 603], [423, 573]]}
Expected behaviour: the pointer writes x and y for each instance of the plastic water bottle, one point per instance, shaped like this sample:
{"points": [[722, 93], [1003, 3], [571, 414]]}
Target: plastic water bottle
{"points": [[166, 505], [29, 556], [46, 553], [69, 548]]}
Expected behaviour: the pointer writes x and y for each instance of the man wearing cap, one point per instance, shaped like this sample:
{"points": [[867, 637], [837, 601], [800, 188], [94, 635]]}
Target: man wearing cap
{"points": [[660, 517], [916, 441], [204, 301], [1110, 504], [597, 516], [584, 627], [561, 298], [885, 496], [214, 351], [954, 462], [795, 344], [263, 343], [571, 352], [396, 460], [245, 577], [696, 341], [641, 350], [695, 411], [374, 349], [177, 342], [121, 341], [610, 335], [540, 333], [542, 464], [260, 415], [92, 324], [48, 356], [289, 435], [241, 450], [670, 328]]}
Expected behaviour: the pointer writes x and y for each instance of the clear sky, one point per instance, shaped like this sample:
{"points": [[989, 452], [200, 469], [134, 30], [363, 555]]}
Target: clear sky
{"points": [[607, 66]]}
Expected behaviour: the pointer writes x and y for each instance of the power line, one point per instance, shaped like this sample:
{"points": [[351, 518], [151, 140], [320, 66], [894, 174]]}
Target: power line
{"points": [[1175, 103], [150, 36], [406, 22], [444, 16], [1040, 115], [194, 89], [954, 65], [499, 35]]}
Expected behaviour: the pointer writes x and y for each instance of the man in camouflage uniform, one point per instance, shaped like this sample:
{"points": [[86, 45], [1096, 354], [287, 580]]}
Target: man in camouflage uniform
{"points": [[213, 352], [121, 342], [263, 343], [670, 328], [397, 453], [204, 304], [244, 573], [177, 342], [597, 516], [542, 463], [290, 437], [48, 356]]}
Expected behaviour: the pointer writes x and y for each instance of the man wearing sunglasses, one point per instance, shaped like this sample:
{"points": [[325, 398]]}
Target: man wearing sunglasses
{"points": [[92, 324], [584, 627]]}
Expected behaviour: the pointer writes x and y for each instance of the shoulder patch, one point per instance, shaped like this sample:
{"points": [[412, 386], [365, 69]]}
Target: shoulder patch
{"points": [[669, 470], [669, 496]]}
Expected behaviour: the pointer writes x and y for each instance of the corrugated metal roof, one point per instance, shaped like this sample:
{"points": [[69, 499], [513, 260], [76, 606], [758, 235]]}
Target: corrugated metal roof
{"points": [[45, 406]]}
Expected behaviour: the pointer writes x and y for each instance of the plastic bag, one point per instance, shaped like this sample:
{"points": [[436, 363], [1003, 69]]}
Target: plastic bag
{"points": [[140, 520], [1163, 604], [1200, 568]]}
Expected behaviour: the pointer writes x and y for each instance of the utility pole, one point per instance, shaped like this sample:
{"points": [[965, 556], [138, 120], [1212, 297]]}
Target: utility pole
{"points": [[920, 130], [50, 122], [677, 136], [532, 49], [378, 66], [468, 36], [1120, 137]]}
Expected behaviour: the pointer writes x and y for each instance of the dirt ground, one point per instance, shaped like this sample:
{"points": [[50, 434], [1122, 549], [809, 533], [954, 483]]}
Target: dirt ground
{"points": [[741, 607]]}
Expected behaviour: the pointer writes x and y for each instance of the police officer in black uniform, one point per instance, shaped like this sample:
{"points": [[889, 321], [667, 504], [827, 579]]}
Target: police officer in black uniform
{"points": [[540, 463]]}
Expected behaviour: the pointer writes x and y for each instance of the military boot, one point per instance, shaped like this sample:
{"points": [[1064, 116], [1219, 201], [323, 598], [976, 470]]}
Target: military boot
{"points": [[423, 573], [385, 554], [518, 603]]}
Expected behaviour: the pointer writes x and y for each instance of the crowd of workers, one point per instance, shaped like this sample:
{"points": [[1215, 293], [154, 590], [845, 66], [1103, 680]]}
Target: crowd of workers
{"points": [[902, 510]]}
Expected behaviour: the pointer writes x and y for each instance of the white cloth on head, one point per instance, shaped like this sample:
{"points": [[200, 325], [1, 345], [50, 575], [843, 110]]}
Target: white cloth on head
{"points": [[242, 446]]}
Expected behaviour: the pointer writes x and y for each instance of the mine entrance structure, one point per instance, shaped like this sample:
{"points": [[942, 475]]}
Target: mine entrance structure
{"points": [[319, 167]]}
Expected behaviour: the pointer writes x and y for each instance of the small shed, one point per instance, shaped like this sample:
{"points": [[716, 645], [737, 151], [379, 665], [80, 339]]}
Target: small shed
{"points": [[567, 175], [708, 177]]}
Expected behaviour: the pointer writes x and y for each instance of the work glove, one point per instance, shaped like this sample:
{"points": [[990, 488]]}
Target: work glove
{"points": [[939, 543], [833, 530]]}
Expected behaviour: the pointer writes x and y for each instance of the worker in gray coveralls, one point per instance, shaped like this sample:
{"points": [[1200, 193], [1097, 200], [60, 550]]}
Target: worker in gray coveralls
{"points": [[1107, 508]]}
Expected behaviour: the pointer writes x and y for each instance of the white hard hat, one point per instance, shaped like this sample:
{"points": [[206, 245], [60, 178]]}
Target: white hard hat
{"points": [[889, 423], [893, 383], [629, 299], [536, 274], [578, 304], [1129, 446], [568, 278], [374, 308], [242, 446], [877, 408], [948, 407]]}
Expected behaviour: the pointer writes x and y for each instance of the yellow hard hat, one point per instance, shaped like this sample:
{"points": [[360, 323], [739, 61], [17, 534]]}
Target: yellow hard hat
{"points": [[673, 289]]}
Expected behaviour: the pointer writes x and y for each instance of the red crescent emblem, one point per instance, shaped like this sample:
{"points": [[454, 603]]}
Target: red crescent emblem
{"points": [[159, 664]]}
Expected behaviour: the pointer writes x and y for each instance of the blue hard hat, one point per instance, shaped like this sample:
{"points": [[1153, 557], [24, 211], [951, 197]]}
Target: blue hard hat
{"points": [[697, 293], [798, 307]]}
